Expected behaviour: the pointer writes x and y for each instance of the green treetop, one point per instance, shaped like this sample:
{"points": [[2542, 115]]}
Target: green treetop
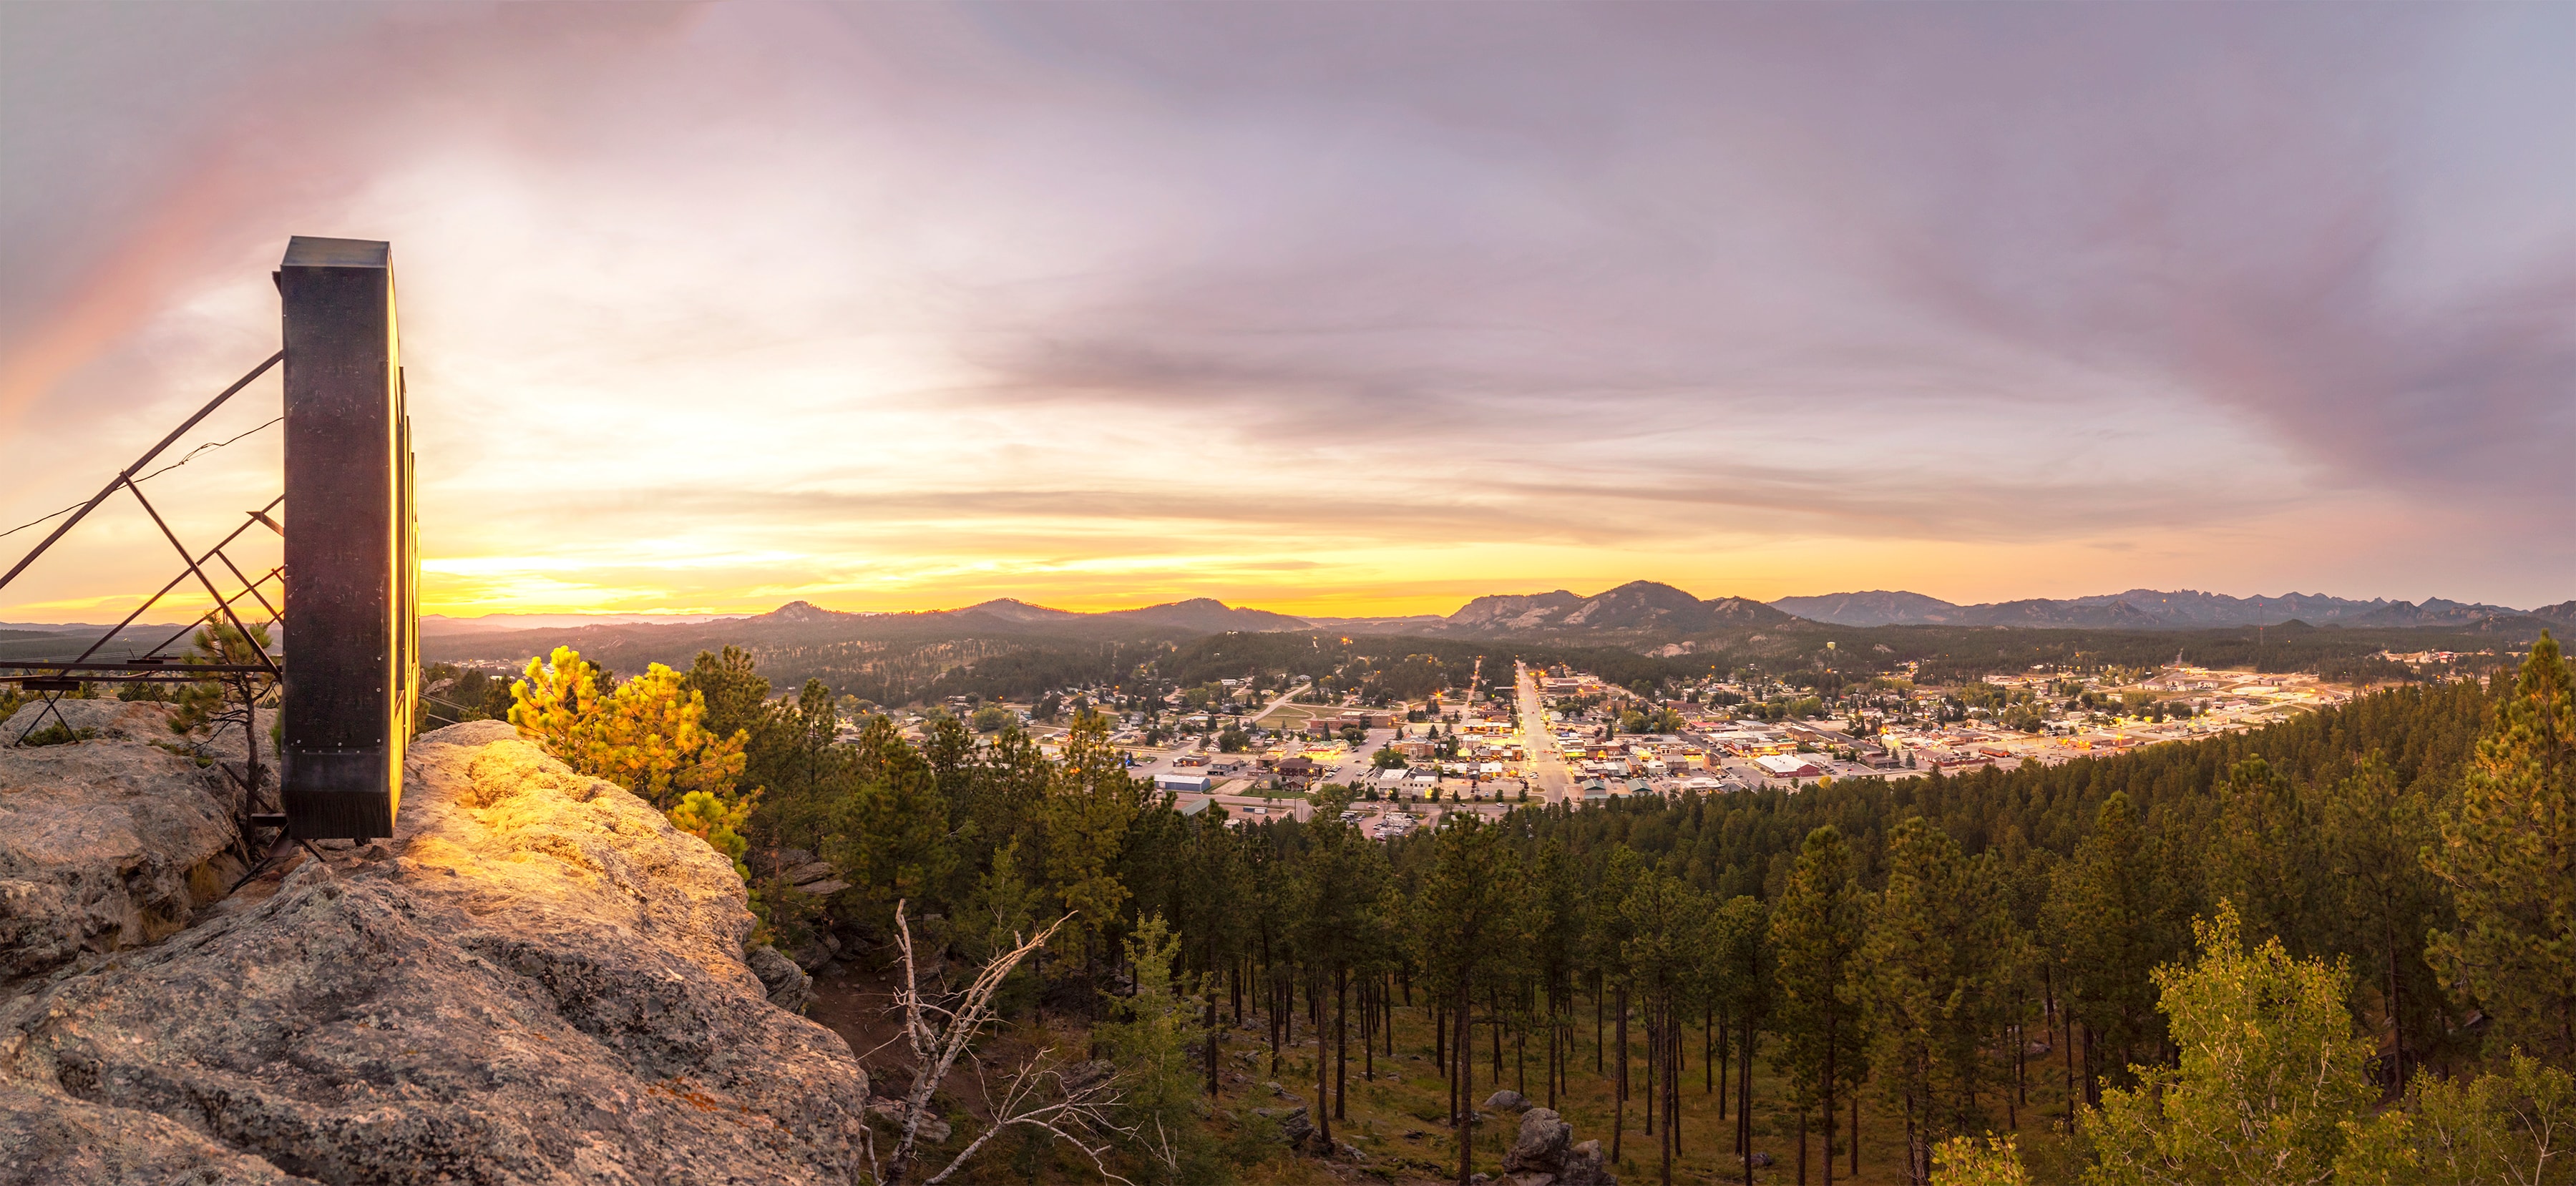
{"points": [[2507, 853], [2273, 1077]]}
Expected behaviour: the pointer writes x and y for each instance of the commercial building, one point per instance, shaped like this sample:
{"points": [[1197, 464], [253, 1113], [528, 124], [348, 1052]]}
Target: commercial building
{"points": [[1787, 766]]}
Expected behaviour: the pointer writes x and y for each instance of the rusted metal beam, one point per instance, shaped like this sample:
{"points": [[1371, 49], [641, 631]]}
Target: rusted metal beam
{"points": [[172, 668], [222, 602], [270, 575], [128, 472], [155, 599]]}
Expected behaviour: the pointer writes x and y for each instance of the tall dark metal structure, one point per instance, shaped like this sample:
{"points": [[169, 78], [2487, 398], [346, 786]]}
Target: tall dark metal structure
{"points": [[350, 678], [352, 607]]}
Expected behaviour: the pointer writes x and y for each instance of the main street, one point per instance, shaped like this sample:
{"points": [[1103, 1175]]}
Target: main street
{"points": [[1547, 772]]}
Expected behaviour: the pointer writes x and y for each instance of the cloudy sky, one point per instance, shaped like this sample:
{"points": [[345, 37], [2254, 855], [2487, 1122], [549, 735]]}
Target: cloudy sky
{"points": [[1328, 308]]}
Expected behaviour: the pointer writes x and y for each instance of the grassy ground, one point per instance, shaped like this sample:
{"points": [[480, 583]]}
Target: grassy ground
{"points": [[1399, 1119], [1294, 717]]}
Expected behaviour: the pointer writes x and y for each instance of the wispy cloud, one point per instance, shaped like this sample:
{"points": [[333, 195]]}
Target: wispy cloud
{"points": [[1346, 307]]}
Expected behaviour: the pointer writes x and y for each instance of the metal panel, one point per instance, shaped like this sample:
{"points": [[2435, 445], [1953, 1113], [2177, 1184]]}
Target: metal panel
{"points": [[351, 610]]}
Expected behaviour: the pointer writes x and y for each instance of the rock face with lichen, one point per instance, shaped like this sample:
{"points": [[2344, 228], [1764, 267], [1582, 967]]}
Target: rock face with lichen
{"points": [[105, 844], [537, 980], [1544, 1154]]}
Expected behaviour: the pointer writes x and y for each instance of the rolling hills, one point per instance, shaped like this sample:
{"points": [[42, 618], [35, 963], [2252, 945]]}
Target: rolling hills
{"points": [[2145, 609]]}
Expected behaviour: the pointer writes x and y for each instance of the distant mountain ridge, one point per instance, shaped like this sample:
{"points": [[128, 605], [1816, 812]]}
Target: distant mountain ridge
{"points": [[1634, 612], [2139, 609], [441, 624], [1201, 615], [1638, 606]]}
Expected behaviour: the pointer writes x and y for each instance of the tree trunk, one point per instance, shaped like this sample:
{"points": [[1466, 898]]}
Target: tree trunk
{"points": [[1661, 1016], [1368, 1036], [1596, 1023], [1725, 1055], [2066, 1024], [1447, 1073], [2396, 1014], [1827, 1112], [1855, 1132], [1744, 1097], [1673, 1085], [2021, 1058], [1211, 1045], [1619, 1078], [1554, 1029], [1341, 1041], [1386, 1002], [2091, 1076], [1654, 1062], [1914, 1173], [1466, 1112]]}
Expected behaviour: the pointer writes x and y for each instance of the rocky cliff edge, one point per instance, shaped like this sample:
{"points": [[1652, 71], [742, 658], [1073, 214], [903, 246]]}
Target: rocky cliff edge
{"points": [[537, 980]]}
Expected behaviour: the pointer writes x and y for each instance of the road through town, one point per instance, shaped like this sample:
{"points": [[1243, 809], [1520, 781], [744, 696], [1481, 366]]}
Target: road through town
{"points": [[1273, 706], [1548, 775]]}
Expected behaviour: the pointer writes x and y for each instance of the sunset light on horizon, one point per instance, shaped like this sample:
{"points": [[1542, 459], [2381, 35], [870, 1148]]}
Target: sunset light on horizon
{"points": [[1334, 311]]}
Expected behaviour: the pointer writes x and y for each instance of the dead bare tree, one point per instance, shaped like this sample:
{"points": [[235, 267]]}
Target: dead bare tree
{"points": [[1075, 1104]]}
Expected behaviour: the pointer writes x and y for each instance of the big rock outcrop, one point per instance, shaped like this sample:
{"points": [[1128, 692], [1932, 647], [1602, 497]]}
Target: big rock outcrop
{"points": [[1543, 1154], [106, 844], [536, 980]]}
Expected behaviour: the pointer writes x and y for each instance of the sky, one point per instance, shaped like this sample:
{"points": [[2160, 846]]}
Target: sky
{"points": [[1331, 309]]}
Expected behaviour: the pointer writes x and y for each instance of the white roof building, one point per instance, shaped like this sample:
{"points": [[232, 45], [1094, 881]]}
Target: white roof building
{"points": [[1786, 766]]}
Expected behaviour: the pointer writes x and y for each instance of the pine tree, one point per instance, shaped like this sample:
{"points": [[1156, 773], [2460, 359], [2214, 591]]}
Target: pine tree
{"points": [[2507, 854], [647, 735], [2108, 920], [2381, 901], [1090, 804], [1936, 966], [1611, 935], [1338, 893], [891, 838], [1665, 950], [1744, 969], [1149, 1042], [1818, 927], [1216, 897], [1464, 906], [2266, 855], [1554, 921]]}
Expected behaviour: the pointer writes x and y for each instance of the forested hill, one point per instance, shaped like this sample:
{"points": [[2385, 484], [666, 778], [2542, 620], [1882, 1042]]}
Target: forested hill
{"points": [[1007, 651], [2367, 898]]}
